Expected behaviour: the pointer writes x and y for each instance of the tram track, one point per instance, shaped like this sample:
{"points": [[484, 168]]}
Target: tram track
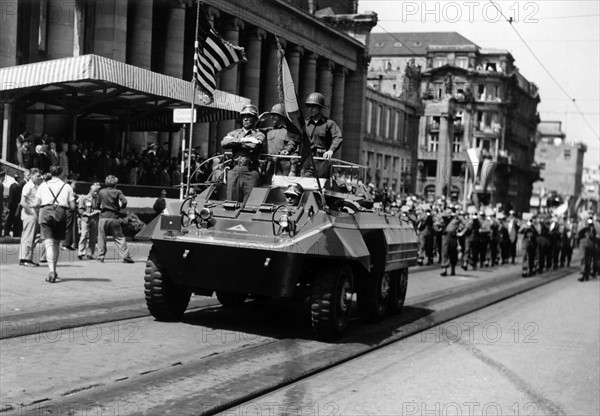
{"points": [[220, 381]]}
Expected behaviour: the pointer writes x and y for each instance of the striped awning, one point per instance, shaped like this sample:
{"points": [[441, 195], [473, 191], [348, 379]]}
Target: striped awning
{"points": [[93, 86]]}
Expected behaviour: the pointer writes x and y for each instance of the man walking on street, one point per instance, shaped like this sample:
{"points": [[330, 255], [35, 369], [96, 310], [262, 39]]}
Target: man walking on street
{"points": [[54, 198], [29, 218], [89, 211], [112, 202]]}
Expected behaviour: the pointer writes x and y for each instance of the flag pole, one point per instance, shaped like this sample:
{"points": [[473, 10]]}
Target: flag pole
{"points": [[193, 107]]}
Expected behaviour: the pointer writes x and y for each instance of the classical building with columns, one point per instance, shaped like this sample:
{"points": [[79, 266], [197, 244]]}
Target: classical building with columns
{"points": [[158, 36]]}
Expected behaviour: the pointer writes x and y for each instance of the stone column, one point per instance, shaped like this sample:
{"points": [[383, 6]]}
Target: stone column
{"points": [[175, 28], [354, 102], [337, 100], [443, 174], [324, 81], [308, 76], [59, 22], [228, 80], [139, 33], [292, 56], [110, 29], [8, 33], [269, 82], [251, 77]]}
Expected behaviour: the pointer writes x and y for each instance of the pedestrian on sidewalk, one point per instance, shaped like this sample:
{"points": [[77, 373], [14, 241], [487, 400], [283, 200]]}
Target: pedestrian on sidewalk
{"points": [[29, 218], [89, 211], [54, 198], [112, 202]]}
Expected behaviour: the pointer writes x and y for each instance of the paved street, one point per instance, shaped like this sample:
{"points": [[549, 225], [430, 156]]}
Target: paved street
{"points": [[535, 354]]}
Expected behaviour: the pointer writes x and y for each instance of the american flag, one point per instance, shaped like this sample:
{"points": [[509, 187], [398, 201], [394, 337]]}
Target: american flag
{"points": [[212, 55]]}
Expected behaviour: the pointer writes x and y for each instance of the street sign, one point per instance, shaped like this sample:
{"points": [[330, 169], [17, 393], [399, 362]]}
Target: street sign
{"points": [[183, 115]]}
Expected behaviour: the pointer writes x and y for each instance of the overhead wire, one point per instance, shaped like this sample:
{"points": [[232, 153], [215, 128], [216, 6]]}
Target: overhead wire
{"points": [[510, 22]]}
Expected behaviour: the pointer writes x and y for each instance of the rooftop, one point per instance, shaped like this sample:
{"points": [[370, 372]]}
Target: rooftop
{"points": [[412, 43]]}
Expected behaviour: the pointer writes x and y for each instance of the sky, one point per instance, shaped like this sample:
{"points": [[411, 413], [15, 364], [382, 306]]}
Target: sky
{"points": [[555, 44]]}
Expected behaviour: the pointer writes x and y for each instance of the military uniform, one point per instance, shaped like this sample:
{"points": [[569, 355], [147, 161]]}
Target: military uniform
{"points": [[471, 252], [529, 249], [243, 175], [324, 135], [544, 256], [279, 140], [425, 230], [587, 236], [450, 245]]}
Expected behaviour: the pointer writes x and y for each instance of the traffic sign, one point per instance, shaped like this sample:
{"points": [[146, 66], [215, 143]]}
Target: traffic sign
{"points": [[183, 115]]}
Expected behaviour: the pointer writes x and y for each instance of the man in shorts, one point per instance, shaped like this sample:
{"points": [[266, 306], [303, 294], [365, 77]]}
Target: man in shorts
{"points": [[54, 198]]}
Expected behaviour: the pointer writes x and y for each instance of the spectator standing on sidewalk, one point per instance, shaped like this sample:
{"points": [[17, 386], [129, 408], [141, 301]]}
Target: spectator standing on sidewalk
{"points": [[71, 237], [89, 211], [13, 222], [112, 202], [55, 198], [29, 217]]}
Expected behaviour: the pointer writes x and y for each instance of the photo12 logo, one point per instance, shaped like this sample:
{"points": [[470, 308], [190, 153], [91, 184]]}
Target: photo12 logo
{"points": [[470, 11]]}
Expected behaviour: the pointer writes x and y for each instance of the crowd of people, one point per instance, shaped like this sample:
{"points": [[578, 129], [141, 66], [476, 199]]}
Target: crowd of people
{"points": [[49, 212], [476, 239]]}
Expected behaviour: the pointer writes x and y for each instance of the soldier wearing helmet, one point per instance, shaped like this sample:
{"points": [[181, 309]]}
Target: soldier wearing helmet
{"points": [[279, 142], [324, 134], [246, 144], [293, 193]]}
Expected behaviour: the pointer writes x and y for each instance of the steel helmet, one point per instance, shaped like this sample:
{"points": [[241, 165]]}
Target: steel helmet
{"points": [[294, 189], [249, 109], [278, 109], [316, 98]]}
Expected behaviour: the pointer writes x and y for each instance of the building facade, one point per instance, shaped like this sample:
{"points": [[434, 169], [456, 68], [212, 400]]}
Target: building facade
{"points": [[474, 98], [560, 162], [389, 151], [158, 35]]}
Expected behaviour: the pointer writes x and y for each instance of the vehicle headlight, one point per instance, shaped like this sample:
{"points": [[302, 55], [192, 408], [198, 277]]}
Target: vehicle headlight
{"points": [[284, 221], [205, 214]]}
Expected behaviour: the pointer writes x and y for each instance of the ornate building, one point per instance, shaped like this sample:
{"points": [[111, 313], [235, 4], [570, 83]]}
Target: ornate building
{"points": [[158, 35]]}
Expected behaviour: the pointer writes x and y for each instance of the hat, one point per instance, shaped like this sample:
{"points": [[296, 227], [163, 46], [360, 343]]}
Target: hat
{"points": [[500, 216], [294, 189]]}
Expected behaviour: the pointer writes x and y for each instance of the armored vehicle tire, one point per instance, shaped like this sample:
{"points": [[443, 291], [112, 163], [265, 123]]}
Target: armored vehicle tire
{"points": [[166, 302], [231, 299], [374, 296], [398, 286], [331, 301]]}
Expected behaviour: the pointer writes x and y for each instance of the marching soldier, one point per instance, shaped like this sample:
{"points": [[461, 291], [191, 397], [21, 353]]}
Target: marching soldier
{"points": [[425, 232], [566, 241], [485, 236], [450, 244], [246, 144], [512, 226], [529, 248], [471, 235], [554, 239], [586, 236], [543, 245]]}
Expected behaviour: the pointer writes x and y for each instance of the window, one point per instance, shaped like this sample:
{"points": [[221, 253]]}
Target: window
{"points": [[388, 121], [395, 164], [369, 116], [457, 168], [434, 123], [457, 144], [379, 44], [567, 154], [402, 165], [462, 62], [386, 162], [369, 159], [397, 44], [438, 88], [432, 142], [439, 61], [430, 168], [379, 158], [542, 166], [490, 66]]}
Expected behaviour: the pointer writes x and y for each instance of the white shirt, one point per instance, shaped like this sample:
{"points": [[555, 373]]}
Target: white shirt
{"points": [[29, 191], [64, 198]]}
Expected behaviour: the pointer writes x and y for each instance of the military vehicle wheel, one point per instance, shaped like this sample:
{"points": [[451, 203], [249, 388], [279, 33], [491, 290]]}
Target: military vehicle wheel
{"points": [[398, 286], [166, 302], [231, 299], [374, 296], [331, 301]]}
